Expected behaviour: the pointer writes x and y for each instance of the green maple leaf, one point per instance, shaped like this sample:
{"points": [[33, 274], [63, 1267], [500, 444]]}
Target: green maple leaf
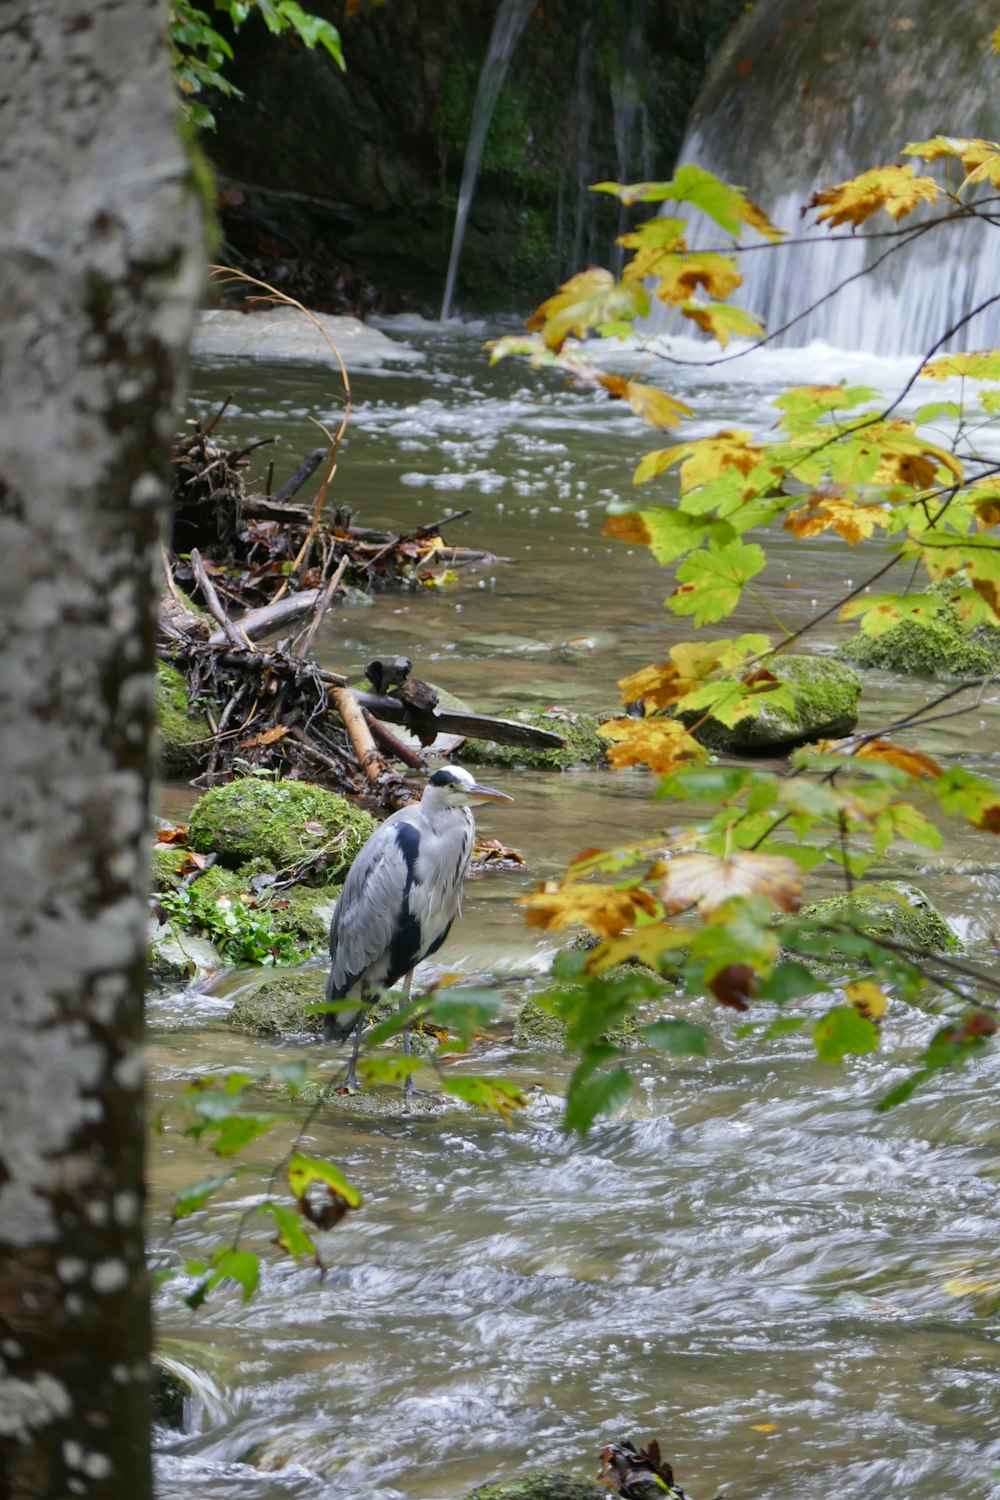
{"points": [[710, 581]]}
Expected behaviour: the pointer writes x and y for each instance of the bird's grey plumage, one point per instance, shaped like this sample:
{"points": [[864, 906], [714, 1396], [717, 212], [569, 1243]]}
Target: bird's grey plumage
{"points": [[401, 895]]}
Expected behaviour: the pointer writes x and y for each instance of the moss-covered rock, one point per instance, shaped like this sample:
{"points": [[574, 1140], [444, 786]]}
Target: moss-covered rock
{"points": [[825, 706], [583, 747], [166, 866], [890, 909], [544, 1486], [283, 823], [535, 1027], [941, 647], [183, 736], [278, 1005]]}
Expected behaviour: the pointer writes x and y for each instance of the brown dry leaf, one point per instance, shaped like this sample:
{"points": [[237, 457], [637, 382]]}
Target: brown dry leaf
{"points": [[492, 852], [915, 762], [604, 909], [708, 881], [660, 744], [893, 188], [734, 986], [174, 833], [866, 997], [266, 737]]}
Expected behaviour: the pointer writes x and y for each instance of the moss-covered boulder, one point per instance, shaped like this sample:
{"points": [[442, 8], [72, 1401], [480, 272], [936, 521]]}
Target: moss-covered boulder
{"points": [[183, 735], [537, 1028], [825, 697], [544, 1486], [280, 824], [943, 646], [890, 909], [583, 747], [278, 1006]]}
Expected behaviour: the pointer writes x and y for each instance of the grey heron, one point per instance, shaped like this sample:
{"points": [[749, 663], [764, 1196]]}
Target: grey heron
{"points": [[401, 895]]}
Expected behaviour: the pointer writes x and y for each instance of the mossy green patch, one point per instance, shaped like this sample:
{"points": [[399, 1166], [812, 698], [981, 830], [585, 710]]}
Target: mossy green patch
{"points": [[183, 736], [890, 909], [825, 694], [545, 1486], [583, 747], [536, 1027], [942, 647], [278, 1006], [285, 824]]}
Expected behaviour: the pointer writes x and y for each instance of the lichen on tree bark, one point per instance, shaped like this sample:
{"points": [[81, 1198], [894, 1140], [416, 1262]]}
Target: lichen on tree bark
{"points": [[100, 261]]}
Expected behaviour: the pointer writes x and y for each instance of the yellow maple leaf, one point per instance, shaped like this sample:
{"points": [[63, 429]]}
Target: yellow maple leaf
{"points": [[848, 519], [680, 276], [866, 997], [908, 458], [893, 188], [721, 320], [588, 299], [980, 159], [708, 881], [604, 909], [976, 364], [660, 744], [690, 664], [654, 406], [703, 459]]}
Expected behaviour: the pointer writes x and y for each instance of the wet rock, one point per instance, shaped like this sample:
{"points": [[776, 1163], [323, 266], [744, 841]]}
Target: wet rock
{"points": [[173, 957], [543, 1486], [277, 1007], [182, 735], [282, 333], [537, 1028], [890, 909], [584, 747], [284, 824], [942, 647], [826, 707]]}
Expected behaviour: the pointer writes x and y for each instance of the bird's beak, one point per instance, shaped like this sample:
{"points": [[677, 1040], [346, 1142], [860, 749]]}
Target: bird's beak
{"points": [[488, 794]]}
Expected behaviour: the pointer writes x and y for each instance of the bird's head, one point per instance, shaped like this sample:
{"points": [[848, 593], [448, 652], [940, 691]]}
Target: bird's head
{"points": [[453, 786]]}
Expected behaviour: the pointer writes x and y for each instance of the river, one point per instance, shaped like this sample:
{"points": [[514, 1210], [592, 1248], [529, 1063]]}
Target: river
{"points": [[793, 1293]]}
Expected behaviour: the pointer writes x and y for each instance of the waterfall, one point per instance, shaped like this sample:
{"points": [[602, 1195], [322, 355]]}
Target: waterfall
{"points": [[511, 19], [802, 97]]}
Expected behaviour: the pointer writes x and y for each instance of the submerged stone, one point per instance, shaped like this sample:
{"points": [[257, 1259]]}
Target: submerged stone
{"points": [[826, 697], [583, 747], [891, 909], [285, 824]]}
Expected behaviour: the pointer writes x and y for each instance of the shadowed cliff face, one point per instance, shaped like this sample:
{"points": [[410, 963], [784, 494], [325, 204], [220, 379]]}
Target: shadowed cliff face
{"points": [[805, 96], [368, 162]]}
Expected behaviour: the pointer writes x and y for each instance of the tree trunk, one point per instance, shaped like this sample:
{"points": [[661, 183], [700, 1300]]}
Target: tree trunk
{"points": [[100, 264]]}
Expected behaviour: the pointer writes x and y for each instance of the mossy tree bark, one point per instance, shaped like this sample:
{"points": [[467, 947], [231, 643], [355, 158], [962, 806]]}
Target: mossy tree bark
{"points": [[100, 263]]}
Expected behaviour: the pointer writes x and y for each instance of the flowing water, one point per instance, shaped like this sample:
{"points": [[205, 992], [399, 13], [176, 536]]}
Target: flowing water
{"points": [[794, 1293], [805, 97]]}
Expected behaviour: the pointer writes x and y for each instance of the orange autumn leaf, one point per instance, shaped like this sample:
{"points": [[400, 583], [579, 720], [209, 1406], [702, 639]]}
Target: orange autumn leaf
{"points": [[893, 188], [708, 881], [914, 762], [604, 909], [628, 527], [661, 744], [824, 511]]}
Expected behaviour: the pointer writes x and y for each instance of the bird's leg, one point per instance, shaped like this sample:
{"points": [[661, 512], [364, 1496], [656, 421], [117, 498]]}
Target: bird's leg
{"points": [[351, 1081], [408, 1088]]}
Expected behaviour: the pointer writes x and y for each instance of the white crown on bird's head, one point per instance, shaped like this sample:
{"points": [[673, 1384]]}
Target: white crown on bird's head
{"points": [[457, 787]]}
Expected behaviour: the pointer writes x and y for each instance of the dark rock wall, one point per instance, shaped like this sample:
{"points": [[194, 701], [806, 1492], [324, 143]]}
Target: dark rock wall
{"points": [[368, 162]]}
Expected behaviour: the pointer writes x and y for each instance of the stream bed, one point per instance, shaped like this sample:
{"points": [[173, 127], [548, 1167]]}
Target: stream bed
{"points": [[794, 1294]]}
